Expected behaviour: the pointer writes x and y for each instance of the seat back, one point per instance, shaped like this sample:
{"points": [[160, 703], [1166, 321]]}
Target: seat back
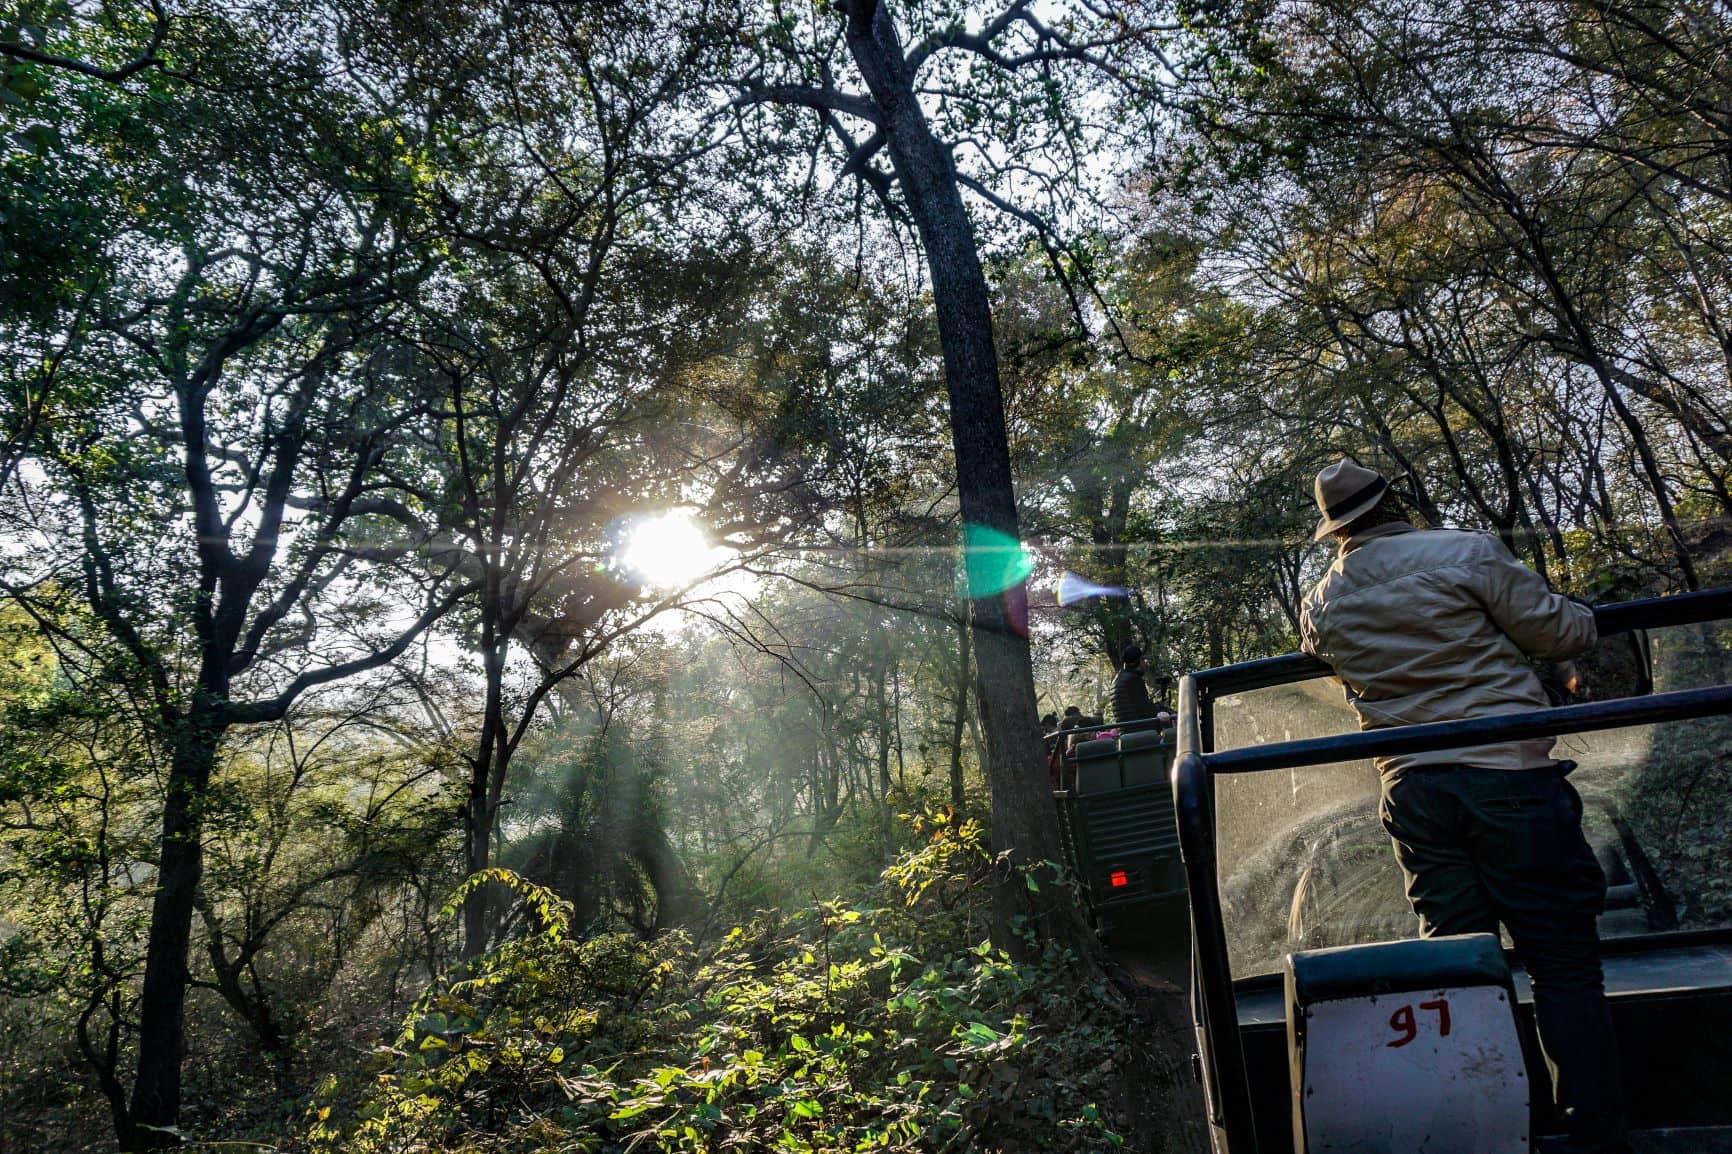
{"points": [[1406, 1046], [1097, 766], [1146, 757]]}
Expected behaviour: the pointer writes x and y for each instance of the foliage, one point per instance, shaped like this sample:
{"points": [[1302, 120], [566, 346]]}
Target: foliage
{"points": [[1479, 243], [876, 1023], [324, 847]]}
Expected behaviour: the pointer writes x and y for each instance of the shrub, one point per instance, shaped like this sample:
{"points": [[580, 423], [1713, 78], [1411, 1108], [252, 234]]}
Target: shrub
{"points": [[872, 1025]]}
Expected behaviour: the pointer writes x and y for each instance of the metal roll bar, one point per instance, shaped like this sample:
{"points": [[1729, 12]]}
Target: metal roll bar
{"points": [[1195, 764], [1090, 732], [1679, 706], [1217, 1017]]}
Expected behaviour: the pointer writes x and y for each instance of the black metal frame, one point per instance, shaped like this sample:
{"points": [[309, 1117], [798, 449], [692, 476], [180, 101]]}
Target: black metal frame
{"points": [[1091, 732], [1196, 762]]}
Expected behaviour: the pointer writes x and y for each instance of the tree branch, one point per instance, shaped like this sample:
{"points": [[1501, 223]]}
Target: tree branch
{"points": [[145, 59], [274, 708], [808, 96]]}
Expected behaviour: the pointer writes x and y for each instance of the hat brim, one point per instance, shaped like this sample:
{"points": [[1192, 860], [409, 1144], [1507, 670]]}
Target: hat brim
{"points": [[1329, 525]]}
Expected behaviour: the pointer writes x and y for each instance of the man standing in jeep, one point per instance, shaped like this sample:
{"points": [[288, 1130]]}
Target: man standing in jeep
{"points": [[1439, 625], [1131, 701]]}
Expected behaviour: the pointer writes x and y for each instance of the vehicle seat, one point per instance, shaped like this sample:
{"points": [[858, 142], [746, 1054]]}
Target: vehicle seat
{"points": [[1145, 757], [1406, 1046], [1097, 766]]}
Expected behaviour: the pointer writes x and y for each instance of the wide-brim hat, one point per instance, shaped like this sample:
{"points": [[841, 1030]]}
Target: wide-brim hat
{"points": [[1346, 491]]}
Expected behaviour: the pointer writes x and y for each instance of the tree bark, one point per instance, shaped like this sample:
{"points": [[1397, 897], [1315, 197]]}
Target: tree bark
{"points": [[155, 1106], [1104, 506], [959, 715], [478, 806], [1022, 823]]}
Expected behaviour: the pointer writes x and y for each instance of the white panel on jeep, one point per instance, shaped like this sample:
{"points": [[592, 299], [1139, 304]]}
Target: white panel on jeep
{"points": [[1406, 1047]]}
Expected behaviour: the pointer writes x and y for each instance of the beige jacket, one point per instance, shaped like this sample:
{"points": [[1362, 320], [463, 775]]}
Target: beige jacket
{"points": [[1433, 625]]}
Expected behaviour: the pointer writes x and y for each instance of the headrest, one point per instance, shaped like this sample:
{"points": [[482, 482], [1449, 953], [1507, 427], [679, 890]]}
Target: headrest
{"points": [[1143, 739], [1393, 967]]}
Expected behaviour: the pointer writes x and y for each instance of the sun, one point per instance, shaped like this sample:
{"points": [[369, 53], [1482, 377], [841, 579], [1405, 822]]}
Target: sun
{"points": [[667, 551]]}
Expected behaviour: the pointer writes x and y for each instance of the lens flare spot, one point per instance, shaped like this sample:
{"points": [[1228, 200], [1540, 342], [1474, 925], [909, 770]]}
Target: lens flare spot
{"points": [[992, 561]]}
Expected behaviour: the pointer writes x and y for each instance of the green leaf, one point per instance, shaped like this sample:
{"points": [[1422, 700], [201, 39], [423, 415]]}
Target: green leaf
{"points": [[980, 1034]]}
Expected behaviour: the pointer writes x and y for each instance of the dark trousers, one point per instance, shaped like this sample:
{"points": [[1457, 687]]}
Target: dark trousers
{"points": [[1483, 846]]}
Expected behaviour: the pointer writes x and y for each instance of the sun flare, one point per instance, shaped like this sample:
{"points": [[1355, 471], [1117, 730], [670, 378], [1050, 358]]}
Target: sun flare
{"points": [[668, 551]]}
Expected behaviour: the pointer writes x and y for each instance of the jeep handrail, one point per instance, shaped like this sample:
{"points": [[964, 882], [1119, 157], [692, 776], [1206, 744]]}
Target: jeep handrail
{"points": [[1196, 762]]}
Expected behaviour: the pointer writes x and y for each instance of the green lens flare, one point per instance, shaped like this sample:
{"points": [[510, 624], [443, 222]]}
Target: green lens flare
{"points": [[993, 561]]}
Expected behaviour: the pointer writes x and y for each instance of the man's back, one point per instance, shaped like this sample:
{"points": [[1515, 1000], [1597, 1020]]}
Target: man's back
{"points": [[1131, 701], [1435, 625]]}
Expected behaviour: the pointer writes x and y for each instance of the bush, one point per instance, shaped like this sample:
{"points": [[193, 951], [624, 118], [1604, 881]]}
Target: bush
{"points": [[876, 1025]]}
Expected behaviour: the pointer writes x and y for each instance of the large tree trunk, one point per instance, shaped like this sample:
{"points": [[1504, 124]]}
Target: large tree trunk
{"points": [[677, 895], [155, 1107], [1022, 821]]}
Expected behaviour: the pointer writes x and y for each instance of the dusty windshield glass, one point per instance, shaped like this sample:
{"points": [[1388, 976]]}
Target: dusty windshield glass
{"points": [[1305, 862]]}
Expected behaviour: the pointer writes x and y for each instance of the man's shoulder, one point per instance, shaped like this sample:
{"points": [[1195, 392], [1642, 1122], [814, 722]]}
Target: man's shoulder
{"points": [[1445, 544], [1391, 558]]}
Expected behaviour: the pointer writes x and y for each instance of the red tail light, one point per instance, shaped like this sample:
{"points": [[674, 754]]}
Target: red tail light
{"points": [[1119, 878]]}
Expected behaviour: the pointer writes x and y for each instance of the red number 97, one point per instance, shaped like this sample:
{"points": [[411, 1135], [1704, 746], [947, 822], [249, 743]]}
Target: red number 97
{"points": [[1403, 1023]]}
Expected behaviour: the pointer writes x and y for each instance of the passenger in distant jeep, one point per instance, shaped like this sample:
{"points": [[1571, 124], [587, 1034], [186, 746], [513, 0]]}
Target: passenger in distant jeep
{"points": [[1131, 701]]}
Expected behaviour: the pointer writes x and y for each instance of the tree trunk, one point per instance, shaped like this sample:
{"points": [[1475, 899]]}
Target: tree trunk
{"points": [[478, 810], [155, 1107], [477, 841], [881, 724], [1021, 808], [268, 1033], [959, 716], [1114, 571], [677, 895]]}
